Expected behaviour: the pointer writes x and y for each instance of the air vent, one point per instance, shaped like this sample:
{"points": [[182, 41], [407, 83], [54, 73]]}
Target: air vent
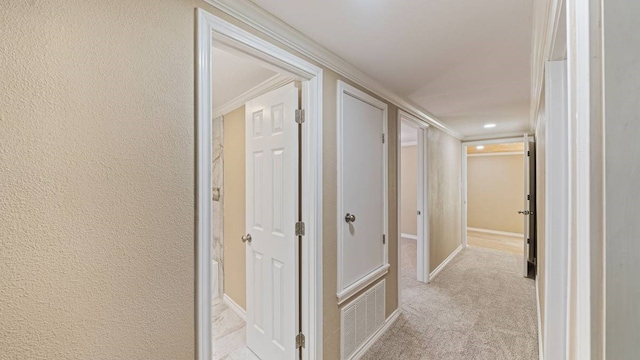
{"points": [[360, 319]]}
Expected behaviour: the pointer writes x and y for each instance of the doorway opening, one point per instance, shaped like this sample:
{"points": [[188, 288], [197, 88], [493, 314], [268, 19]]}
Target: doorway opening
{"points": [[413, 219], [259, 181], [499, 198]]}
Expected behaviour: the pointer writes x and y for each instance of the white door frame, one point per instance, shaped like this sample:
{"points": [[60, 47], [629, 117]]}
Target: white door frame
{"points": [[466, 144], [211, 28], [423, 243], [346, 291]]}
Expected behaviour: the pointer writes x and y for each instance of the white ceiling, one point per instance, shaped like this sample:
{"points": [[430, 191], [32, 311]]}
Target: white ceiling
{"points": [[466, 62], [240, 75]]}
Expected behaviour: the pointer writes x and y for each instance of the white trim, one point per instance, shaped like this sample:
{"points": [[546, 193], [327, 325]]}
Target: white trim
{"points": [[508, 140], [242, 313], [261, 20], [446, 262], [388, 323], [423, 243], [546, 17], [212, 28], [408, 143], [557, 197], [496, 154], [489, 231], [494, 136], [540, 340], [264, 87], [362, 283], [345, 290], [409, 236]]}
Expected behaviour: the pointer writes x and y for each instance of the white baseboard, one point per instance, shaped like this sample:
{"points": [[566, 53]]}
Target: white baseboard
{"points": [[446, 261], [495, 232], [235, 307], [409, 236], [376, 336], [540, 339]]}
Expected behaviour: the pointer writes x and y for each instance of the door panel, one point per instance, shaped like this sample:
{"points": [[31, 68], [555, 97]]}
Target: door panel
{"points": [[529, 259], [271, 175], [362, 167]]}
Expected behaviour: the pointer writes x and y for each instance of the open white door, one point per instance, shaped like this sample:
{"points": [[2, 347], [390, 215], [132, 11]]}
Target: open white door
{"points": [[271, 214], [529, 212]]}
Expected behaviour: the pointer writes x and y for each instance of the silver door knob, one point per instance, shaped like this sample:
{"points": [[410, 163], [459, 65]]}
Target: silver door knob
{"points": [[350, 218], [524, 212], [246, 238]]}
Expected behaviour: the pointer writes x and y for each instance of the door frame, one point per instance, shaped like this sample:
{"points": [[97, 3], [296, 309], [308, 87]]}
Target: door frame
{"points": [[346, 291], [212, 28], [466, 144], [423, 242]]}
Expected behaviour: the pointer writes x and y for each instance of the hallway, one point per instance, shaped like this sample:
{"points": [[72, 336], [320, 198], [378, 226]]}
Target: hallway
{"points": [[479, 307]]}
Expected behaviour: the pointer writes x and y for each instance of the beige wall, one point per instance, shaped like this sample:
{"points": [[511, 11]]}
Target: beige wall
{"points": [[234, 207], [409, 190], [331, 316], [445, 215], [495, 192], [97, 168]]}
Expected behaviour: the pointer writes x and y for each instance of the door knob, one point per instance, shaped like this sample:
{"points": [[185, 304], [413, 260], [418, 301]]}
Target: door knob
{"points": [[246, 238], [350, 218], [525, 212]]}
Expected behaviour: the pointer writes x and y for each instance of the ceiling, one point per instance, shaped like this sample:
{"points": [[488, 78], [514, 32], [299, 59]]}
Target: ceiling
{"points": [[466, 62], [239, 76]]}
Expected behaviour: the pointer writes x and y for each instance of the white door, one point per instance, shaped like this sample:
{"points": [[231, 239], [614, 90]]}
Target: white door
{"points": [[362, 190], [271, 180], [529, 211]]}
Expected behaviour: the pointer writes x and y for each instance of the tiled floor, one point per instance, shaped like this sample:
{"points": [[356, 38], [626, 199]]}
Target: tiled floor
{"points": [[229, 334], [510, 244]]}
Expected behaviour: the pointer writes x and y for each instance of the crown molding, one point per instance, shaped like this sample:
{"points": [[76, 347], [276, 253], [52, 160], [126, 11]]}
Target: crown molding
{"points": [[271, 83], [546, 20], [264, 22]]}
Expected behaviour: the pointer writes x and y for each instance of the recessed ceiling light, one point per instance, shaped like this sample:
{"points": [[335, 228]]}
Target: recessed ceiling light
{"points": [[488, 126], [479, 147]]}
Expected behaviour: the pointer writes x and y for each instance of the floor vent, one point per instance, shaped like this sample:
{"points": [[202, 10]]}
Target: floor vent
{"points": [[361, 318]]}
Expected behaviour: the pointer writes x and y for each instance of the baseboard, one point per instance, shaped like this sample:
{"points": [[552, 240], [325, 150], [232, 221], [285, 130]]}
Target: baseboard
{"points": [[376, 336], [540, 339], [494, 232], [235, 307], [409, 236], [446, 261]]}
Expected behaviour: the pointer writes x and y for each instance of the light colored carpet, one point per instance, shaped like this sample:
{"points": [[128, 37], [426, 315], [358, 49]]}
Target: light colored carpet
{"points": [[479, 307]]}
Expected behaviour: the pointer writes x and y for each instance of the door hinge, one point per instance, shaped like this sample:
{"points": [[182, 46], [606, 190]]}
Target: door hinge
{"points": [[300, 228], [528, 153], [383, 138], [384, 239], [300, 116], [528, 197], [300, 341]]}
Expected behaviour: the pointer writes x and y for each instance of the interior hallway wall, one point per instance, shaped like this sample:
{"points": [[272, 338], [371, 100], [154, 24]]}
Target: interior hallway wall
{"points": [[495, 192], [541, 190], [444, 154], [235, 268], [97, 163], [621, 74], [409, 190]]}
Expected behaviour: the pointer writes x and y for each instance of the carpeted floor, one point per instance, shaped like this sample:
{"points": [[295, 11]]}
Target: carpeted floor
{"points": [[479, 307]]}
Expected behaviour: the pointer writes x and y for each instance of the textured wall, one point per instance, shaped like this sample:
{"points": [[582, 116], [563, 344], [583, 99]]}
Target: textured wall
{"points": [[409, 190], [622, 176], [235, 270], [97, 190], [495, 192], [444, 168], [331, 315]]}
